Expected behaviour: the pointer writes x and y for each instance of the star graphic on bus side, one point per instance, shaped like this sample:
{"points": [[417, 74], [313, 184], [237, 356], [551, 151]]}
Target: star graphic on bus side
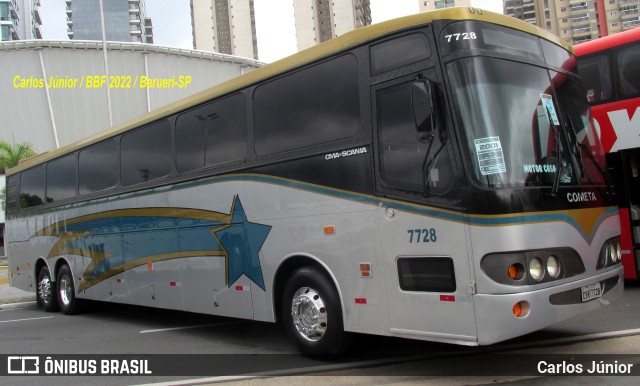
{"points": [[242, 241]]}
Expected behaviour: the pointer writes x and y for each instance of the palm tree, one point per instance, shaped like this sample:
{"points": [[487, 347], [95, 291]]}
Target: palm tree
{"points": [[10, 156]]}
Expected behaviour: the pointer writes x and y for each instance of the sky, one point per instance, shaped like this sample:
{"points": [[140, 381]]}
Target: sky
{"points": [[274, 21]]}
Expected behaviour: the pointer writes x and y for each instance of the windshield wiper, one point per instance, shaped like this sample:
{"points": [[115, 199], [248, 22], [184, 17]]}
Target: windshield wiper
{"points": [[582, 146], [556, 180]]}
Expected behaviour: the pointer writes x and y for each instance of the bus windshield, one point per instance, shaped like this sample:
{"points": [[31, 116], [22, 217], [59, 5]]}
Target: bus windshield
{"points": [[524, 125]]}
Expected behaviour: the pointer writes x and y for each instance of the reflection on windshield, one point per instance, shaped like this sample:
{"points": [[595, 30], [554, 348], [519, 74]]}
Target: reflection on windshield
{"points": [[520, 130]]}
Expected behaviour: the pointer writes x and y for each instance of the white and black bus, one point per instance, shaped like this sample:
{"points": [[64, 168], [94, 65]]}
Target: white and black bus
{"points": [[434, 177]]}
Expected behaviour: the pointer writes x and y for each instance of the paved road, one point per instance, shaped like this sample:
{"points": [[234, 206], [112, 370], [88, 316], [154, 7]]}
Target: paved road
{"points": [[115, 329], [9, 294]]}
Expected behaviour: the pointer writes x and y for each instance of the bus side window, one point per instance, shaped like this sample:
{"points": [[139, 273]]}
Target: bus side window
{"points": [[402, 154], [32, 187], [628, 69], [596, 73], [61, 178], [399, 52], [97, 167], [146, 153], [313, 106], [213, 134]]}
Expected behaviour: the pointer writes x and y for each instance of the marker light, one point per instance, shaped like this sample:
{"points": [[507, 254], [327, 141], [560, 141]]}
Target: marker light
{"points": [[553, 267], [517, 310], [618, 250], [535, 269], [521, 309], [516, 271]]}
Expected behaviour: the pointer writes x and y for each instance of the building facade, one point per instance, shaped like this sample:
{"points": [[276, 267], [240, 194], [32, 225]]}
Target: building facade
{"points": [[65, 84], [225, 26], [20, 20], [577, 21], [320, 20], [521, 9], [124, 20], [430, 5]]}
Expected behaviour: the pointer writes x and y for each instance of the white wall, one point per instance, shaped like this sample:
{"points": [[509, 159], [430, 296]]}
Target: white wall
{"points": [[79, 112]]}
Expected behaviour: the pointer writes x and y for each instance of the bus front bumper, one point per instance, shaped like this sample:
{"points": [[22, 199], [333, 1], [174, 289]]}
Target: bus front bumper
{"points": [[496, 322]]}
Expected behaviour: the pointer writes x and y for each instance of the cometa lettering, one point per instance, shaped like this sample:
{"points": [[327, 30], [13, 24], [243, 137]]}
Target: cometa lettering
{"points": [[581, 197]]}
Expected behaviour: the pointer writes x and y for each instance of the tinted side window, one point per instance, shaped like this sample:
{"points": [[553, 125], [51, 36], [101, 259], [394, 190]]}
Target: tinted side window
{"points": [[557, 56], [628, 65], [146, 153], [316, 105], [402, 156], [32, 187], [213, 134], [433, 274], [98, 167], [596, 74], [61, 178], [399, 52]]}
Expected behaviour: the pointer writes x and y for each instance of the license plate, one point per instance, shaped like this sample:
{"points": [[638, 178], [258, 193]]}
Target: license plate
{"points": [[591, 291]]}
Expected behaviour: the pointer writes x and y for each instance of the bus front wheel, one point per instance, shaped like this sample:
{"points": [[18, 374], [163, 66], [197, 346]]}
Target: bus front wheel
{"points": [[46, 291], [69, 304], [312, 314]]}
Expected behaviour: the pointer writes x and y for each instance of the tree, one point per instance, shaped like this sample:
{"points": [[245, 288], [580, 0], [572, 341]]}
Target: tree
{"points": [[10, 156]]}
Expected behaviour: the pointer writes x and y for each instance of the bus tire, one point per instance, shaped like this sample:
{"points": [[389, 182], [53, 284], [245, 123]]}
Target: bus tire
{"points": [[69, 304], [312, 314], [46, 291]]}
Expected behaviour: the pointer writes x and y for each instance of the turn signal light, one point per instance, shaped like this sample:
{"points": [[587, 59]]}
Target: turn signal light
{"points": [[516, 271], [517, 310], [520, 309]]}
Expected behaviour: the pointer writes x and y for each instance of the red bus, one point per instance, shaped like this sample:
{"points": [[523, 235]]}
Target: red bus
{"points": [[610, 68]]}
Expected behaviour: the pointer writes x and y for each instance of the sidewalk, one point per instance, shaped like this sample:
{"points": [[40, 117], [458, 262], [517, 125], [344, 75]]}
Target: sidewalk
{"points": [[8, 294]]}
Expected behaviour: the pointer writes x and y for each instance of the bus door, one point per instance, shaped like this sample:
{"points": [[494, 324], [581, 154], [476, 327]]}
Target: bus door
{"points": [[625, 165], [424, 246]]}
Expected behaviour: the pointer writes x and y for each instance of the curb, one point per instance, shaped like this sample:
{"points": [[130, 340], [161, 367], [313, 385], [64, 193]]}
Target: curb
{"points": [[15, 306]]}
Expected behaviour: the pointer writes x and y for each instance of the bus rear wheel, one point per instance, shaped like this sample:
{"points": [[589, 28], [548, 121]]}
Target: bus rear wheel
{"points": [[67, 300], [46, 291], [312, 314]]}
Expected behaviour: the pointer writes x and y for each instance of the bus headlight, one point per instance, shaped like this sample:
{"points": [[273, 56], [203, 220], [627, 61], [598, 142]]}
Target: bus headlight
{"points": [[553, 267], [610, 253], [532, 267], [535, 269]]}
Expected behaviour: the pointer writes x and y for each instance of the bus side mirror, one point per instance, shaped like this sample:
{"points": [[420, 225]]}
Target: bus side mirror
{"points": [[422, 105]]}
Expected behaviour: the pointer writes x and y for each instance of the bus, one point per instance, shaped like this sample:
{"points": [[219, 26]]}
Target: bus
{"points": [[609, 68], [434, 177]]}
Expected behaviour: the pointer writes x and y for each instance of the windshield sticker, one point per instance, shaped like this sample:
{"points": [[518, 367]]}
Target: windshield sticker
{"points": [[545, 168], [490, 156], [550, 109]]}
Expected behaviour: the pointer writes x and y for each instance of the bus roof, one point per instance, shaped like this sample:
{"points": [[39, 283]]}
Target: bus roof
{"points": [[338, 44], [610, 41]]}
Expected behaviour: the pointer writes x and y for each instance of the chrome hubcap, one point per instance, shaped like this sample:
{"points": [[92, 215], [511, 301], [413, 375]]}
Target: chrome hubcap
{"points": [[309, 314], [65, 290], [44, 289]]}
